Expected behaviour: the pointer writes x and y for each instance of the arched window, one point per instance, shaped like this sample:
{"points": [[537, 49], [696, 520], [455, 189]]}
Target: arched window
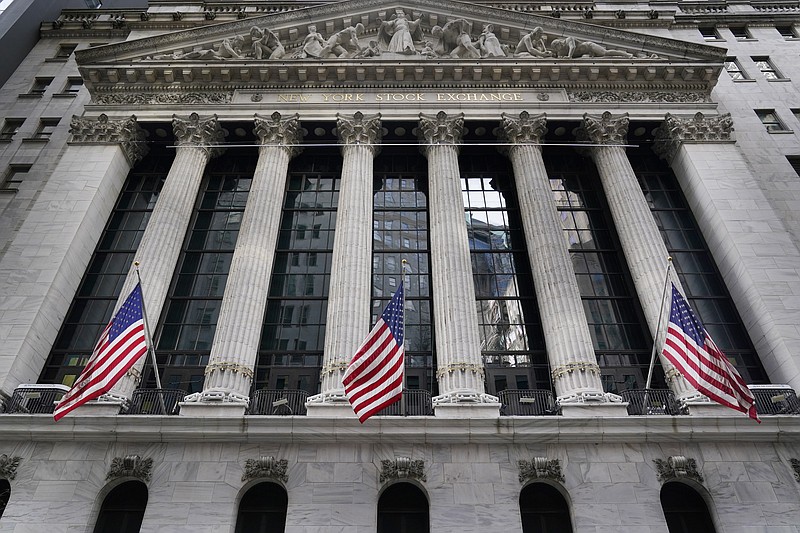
{"points": [[685, 509], [403, 508], [544, 510], [5, 494], [123, 509], [263, 509]]}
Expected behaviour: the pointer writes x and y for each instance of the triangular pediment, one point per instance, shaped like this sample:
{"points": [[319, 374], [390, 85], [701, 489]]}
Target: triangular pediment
{"points": [[399, 43]]}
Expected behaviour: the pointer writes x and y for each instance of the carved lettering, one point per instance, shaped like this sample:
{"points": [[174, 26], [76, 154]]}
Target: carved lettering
{"points": [[400, 97]]}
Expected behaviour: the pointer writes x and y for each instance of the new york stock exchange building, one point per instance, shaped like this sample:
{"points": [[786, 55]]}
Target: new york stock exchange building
{"points": [[277, 169]]}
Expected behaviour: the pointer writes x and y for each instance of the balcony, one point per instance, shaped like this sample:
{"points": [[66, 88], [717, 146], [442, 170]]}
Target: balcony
{"points": [[527, 402], [35, 399], [285, 402], [417, 403], [155, 402], [647, 402], [775, 399]]}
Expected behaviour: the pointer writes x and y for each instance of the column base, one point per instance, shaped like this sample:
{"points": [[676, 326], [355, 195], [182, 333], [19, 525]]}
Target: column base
{"points": [[329, 404], [709, 408], [587, 410], [100, 408], [466, 404], [213, 409]]}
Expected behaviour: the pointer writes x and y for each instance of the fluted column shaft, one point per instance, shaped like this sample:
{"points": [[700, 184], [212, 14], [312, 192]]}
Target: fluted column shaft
{"points": [[229, 373], [350, 292], [641, 240], [458, 353], [160, 247], [574, 368]]}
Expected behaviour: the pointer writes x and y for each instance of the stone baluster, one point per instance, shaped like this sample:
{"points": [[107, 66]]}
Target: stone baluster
{"points": [[229, 374], [350, 292], [641, 240], [458, 350], [576, 374], [197, 139]]}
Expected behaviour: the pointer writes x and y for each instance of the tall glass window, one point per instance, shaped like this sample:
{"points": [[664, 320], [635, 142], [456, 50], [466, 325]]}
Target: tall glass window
{"points": [[192, 308], [263, 509], [512, 342], [290, 355], [97, 294], [123, 509], [685, 509], [400, 231], [403, 508], [544, 509], [694, 265], [620, 337]]}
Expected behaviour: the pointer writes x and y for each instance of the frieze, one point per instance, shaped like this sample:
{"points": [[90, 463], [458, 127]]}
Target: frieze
{"points": [[8, 466], [130, 466], [136, 98], [266, 467], [402, 468], [638, 96], [101, 130], [676, 467], [540, 468]]}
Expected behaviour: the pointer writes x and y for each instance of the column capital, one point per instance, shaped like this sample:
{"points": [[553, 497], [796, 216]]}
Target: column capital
{"points": [[359, 130], [604, 129], [282, 132], [675, 131], [441, 128], [527, 129], [125, 132], [202, 132]]}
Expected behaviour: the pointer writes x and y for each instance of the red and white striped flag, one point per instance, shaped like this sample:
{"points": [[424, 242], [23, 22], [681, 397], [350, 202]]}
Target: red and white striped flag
{"points": [[122, 343], [689, 347], [374, 379]]}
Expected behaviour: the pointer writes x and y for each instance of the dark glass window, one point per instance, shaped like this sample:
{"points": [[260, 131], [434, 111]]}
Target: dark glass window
{"points": [[734, 69], [65, 50], [46, 128], [293, 334], [794, 160], [694, 264], [740, 32], [770, 120], [97, 294], [403, 508], [764, 64], [15, 176], [262, 509], [72, 86], [10, 128], [544, 510], [40, 85], [400, 231], [787, 32], [5, 495], [685, 509], [512, 342], [621, 340], [192, 308], [709, 33], [123, 509]]}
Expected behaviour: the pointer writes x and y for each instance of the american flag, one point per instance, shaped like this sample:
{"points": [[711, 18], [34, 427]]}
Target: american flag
{"points": [[122, 343], [689, 347], [374, 378]]}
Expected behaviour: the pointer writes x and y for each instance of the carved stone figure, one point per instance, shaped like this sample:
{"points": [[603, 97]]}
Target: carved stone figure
{"points": [[489, 44], [266, 44], [571, 48], [533, 45], [399, 34], [454, 40], [312, 44], [427, 50], [343, 43], [372, 50], [229, 48]]}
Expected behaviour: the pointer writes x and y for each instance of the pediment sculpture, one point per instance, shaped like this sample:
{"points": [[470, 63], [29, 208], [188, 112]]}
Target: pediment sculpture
{"points": [[400, 37]]}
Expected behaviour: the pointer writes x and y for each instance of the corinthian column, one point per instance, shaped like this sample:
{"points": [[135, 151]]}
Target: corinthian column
{"points": [[574, 368], [197, 139], [641, 241], [458, 349], [349, 294], [229, 373]]}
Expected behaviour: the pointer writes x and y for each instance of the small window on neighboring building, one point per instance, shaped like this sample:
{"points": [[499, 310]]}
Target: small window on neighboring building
{"points": [[796, 113], [65, 50], [740, 32], [767, 68], [5, 495], [770, 120], [73, 85], [794, 160], [40, 85], [46, 128], [14, 176], [709, 33], [734, 69], [786, 31], [10, 127]]}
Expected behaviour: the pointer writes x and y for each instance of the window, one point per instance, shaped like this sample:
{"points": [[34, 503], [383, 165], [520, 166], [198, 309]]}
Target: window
{"points": [[794, 160], [14, 176], [46, 128], [770, 120], [767, 68], [10, 127], [796, 113], [73, 86], [544, 510], [709, 33], [685, 509], [403, 508], [263, 509], [5, 495], [740, 33], [123, 509], [40, 86], [65, 50], [787, 32], [733, 68]]}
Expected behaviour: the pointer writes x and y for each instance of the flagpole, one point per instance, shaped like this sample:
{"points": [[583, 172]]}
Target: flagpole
{"points": [[405, 288], [150, 349], [658, 327]]}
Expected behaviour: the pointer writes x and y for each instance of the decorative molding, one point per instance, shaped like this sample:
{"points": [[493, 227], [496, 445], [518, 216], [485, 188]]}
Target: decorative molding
{"points": [[229, 366], [540, 468], [463, 396], [459, 367], [130, 466], [675, 131], [144, 98], [676, 467], [402, 468], [283, 132], [441, 128], [266, 467], [796, 467], [527, 129], [8, 466], [604, 129], [202, 132], [638, 96], [101, 130], [359, 130], [580, 366]]}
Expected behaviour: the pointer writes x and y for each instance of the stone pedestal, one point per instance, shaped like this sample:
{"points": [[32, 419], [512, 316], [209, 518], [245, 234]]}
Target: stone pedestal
{"points": [[98, 408], [708, 408], [590, 409], [207, 409]]}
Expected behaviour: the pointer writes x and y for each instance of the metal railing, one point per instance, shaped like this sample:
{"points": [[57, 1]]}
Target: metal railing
{"points": [[155, 402], [35, 399], [652, 402], [775, 399], [527, 402], [278, 402], [417, 403]]}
